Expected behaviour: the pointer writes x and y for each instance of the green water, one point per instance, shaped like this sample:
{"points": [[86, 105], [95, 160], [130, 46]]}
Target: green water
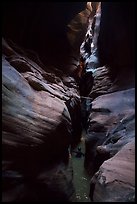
{"points": [[80, 177]]}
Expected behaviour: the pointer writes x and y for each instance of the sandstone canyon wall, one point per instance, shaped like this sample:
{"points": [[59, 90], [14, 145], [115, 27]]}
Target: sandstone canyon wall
{"points": [[41, 103]]}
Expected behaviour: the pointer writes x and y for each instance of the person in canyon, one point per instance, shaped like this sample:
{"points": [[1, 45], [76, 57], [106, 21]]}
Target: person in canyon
{"points": [[79, 153]]}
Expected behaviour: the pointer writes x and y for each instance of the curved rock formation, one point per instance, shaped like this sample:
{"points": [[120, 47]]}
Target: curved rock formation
{"points": [[38, 129], [111, 123], [115, 180], [41, 103]]}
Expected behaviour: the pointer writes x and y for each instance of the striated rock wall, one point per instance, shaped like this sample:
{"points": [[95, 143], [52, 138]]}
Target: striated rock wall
{"points": [[38, 128], [110, 127], [41, 101], [111, 124], [41, 104]]}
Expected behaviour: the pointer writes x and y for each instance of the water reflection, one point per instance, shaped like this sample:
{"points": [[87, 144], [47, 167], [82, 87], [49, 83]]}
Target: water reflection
{"points": [[81, 179]]}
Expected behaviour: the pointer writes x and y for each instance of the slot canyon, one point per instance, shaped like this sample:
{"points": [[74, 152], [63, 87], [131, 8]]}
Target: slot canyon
{"points": [[68, 101]]}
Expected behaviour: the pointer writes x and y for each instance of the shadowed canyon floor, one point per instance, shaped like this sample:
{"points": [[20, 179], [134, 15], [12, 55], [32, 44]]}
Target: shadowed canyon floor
{"points": [[80, 177]]}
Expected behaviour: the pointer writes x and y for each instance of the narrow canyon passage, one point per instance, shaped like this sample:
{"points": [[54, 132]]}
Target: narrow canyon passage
{"points": [[68, 102], [80, 177]]}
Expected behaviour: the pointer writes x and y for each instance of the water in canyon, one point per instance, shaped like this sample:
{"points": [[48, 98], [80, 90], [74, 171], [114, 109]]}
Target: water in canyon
{"points": [[80, 177]]}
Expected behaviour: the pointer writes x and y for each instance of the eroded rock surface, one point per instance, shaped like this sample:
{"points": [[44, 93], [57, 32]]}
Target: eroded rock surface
{"points": [[111, 124], [115, 180], [41, 119], [111, 134]]}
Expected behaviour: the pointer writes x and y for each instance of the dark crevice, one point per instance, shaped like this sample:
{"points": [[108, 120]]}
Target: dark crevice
{"points": [[43, 30]]}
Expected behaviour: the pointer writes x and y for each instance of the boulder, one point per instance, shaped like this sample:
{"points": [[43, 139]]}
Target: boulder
{"points": [[115, 180]]}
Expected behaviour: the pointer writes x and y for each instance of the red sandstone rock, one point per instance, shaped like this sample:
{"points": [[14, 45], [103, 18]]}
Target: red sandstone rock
{"points": [[115, 180], [111, 125], [37, 131]]}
